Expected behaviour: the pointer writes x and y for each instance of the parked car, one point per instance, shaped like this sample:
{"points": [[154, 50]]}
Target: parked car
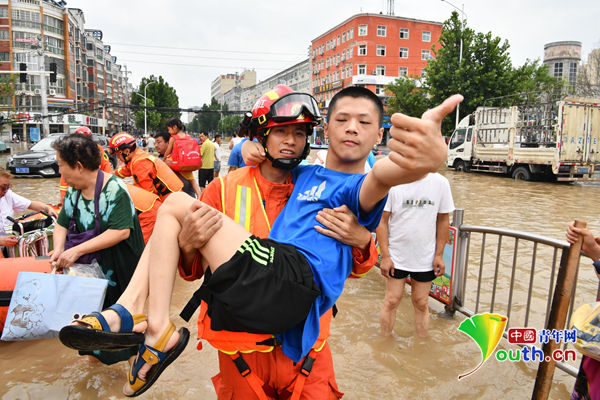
{"points": [[40, 159]]}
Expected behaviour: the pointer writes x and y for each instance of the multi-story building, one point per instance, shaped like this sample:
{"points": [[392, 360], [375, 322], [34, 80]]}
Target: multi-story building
{"points": [[370, 50], [223, 83], [86, 78], [562, 59], [297, 77]]}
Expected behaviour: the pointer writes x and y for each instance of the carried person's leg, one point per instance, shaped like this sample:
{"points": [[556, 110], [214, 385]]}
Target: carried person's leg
{"points": [[420, 301], [394, 290]]}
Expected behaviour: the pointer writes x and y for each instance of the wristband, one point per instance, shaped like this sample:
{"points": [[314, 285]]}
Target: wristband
{"points": [[596, 265]]}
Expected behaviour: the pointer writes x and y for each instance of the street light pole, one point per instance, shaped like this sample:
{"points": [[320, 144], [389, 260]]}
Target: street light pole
{"points": [[462, 28], [145, 111]]}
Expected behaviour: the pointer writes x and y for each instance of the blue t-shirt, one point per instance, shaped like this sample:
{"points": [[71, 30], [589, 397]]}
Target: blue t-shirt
{"points": [[235, 157], [316, 188], [371, 159]]}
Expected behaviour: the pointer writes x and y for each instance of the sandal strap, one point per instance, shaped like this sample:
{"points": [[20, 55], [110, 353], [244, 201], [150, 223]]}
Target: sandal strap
{"points": [[95, 320], [150, 355]]}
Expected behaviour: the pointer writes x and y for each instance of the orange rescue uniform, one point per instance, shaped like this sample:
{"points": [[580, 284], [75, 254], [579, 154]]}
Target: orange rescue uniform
{"points": [[254, 202], [146, 205], [104, 166], [150, 174]]}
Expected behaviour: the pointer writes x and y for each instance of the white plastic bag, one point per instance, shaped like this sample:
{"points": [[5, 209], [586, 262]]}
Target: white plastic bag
{"points": [[42, 304]]}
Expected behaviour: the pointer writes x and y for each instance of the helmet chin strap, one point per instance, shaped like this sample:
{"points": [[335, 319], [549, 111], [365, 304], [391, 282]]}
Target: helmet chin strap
{"points": [[284, 163]]}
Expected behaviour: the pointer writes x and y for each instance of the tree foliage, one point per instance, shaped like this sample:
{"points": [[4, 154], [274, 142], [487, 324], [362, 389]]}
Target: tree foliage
{"points": [[407, 96], [208, 122], [484, 76], [228, 125], [159, 94]]}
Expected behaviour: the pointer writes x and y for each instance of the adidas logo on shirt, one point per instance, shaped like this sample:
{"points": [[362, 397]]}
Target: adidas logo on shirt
{"points": [[314, 194]]}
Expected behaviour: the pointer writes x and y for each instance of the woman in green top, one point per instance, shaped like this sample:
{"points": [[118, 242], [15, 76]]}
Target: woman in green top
{"points": [[112, 236]]}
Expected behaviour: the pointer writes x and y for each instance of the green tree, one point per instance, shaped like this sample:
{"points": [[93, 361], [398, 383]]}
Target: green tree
{"points": [[206, 121], [160, 94], [407, 96], [228, 125], [485, 75]]}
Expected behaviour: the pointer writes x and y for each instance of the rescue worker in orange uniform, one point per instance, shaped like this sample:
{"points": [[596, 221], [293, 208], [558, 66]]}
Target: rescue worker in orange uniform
{"points": [[146, 205], [149, 172], [104, 162], [252, 366]]}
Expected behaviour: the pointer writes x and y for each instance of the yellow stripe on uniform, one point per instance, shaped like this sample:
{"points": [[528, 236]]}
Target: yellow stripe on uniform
{"points": [[243, 206]]}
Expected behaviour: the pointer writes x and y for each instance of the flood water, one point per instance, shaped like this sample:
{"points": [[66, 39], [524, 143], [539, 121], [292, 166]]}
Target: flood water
{"points": [[367, 366]]}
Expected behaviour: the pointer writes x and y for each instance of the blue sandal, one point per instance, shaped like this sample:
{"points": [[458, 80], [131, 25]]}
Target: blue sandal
{"points": [[158, 360], [96, 334]]}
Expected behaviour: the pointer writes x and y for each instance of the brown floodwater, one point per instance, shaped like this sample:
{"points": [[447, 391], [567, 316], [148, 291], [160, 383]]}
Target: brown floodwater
{"points": [[367, 366]]}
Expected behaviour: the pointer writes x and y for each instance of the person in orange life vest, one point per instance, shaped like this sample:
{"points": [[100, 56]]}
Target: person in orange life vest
{"points": [[161, 144], [104, 162], [149, 173], [266, 361], [176, 130], [146, 205]]}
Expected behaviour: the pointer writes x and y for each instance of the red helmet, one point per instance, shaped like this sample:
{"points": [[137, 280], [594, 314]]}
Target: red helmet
{"points": [[283, 106], [122, 141], [84, 130]]}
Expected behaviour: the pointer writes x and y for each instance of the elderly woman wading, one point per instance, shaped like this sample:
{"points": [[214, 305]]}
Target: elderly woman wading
{"points": [[97, 221]]}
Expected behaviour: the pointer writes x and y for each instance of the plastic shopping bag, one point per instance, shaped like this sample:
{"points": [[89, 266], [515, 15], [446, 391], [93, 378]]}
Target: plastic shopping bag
{"points": [[42, 304]]}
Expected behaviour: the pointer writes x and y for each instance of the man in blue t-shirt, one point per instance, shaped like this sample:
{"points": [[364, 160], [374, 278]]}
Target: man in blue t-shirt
{"points": [[298, 272], [235, 157]]}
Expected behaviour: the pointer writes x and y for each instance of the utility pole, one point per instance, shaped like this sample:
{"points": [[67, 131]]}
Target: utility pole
{"points": [[43, 89]]}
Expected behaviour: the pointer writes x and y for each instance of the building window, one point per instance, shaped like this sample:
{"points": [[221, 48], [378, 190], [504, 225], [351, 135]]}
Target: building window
{"points": [[380, 90], [338, 40], [343, 37], [426, 36], [403, 52], [381, 50], [380, 70], [362, 30], [425, 55], [403, 33], [362, 70], [573, 73], [4, 12], [4, 34], [403, 71], [4, 56], [381, 30], [362, 49], [558, 70]]}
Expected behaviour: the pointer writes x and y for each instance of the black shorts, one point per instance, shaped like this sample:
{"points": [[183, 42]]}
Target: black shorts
{"points": [[205, 176], [266, 287], [425, 276]]}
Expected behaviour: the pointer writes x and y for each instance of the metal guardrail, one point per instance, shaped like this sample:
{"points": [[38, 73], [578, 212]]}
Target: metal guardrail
{"points": [[517, 282]]}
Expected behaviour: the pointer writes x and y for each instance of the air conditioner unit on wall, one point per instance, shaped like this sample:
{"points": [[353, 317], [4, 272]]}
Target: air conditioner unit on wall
{"points": [[52, 92], [37, 91]]}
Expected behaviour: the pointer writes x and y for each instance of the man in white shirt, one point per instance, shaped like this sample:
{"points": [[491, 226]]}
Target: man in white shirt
{"points": [[150, 142], [411, 235], [10, 203]]}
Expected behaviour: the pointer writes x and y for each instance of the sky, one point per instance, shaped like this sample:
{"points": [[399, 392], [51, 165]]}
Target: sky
{"points": [[191, 42]]}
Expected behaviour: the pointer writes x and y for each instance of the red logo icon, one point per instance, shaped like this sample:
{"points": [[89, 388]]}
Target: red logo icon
{"points": [[522, 335]]}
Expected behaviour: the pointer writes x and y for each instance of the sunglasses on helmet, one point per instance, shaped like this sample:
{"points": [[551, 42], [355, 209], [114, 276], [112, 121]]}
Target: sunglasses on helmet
{"points": [[290, 107]]}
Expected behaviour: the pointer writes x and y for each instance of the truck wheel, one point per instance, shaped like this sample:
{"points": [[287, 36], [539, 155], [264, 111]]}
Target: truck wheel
{"points": [[460, 166], [521, 174]]}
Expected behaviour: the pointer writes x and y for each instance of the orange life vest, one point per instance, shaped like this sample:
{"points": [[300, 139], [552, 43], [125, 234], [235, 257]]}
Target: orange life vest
{"points": [[241, 200], [162, 180], [142, 199]]}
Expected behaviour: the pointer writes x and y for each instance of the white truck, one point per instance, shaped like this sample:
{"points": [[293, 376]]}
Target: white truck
{"points": [[558, 139]]}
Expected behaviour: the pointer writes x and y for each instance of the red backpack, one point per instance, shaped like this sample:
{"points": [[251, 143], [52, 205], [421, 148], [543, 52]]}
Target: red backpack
{"points": [[186, 154]]}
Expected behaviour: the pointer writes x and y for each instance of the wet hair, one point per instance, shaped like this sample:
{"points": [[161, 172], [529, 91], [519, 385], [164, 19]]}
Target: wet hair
{"points": [[78, 148], [163, 134], [356, 92], [175, 122], [217, 136]]}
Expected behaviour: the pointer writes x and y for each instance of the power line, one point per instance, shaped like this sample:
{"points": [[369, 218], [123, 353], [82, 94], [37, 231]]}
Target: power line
{"points": [[195, 65], [213, 50], [204, 57]]}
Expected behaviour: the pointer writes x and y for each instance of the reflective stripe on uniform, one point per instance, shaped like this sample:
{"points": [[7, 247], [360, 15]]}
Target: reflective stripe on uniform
{"points": [[243, 206]]}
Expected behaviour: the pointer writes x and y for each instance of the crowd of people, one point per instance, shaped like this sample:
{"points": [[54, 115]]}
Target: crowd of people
{"points": [[273, 240]]}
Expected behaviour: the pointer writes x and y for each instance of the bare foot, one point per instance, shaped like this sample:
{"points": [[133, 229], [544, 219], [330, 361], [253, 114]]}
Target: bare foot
{"points": [[151, 340]]}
